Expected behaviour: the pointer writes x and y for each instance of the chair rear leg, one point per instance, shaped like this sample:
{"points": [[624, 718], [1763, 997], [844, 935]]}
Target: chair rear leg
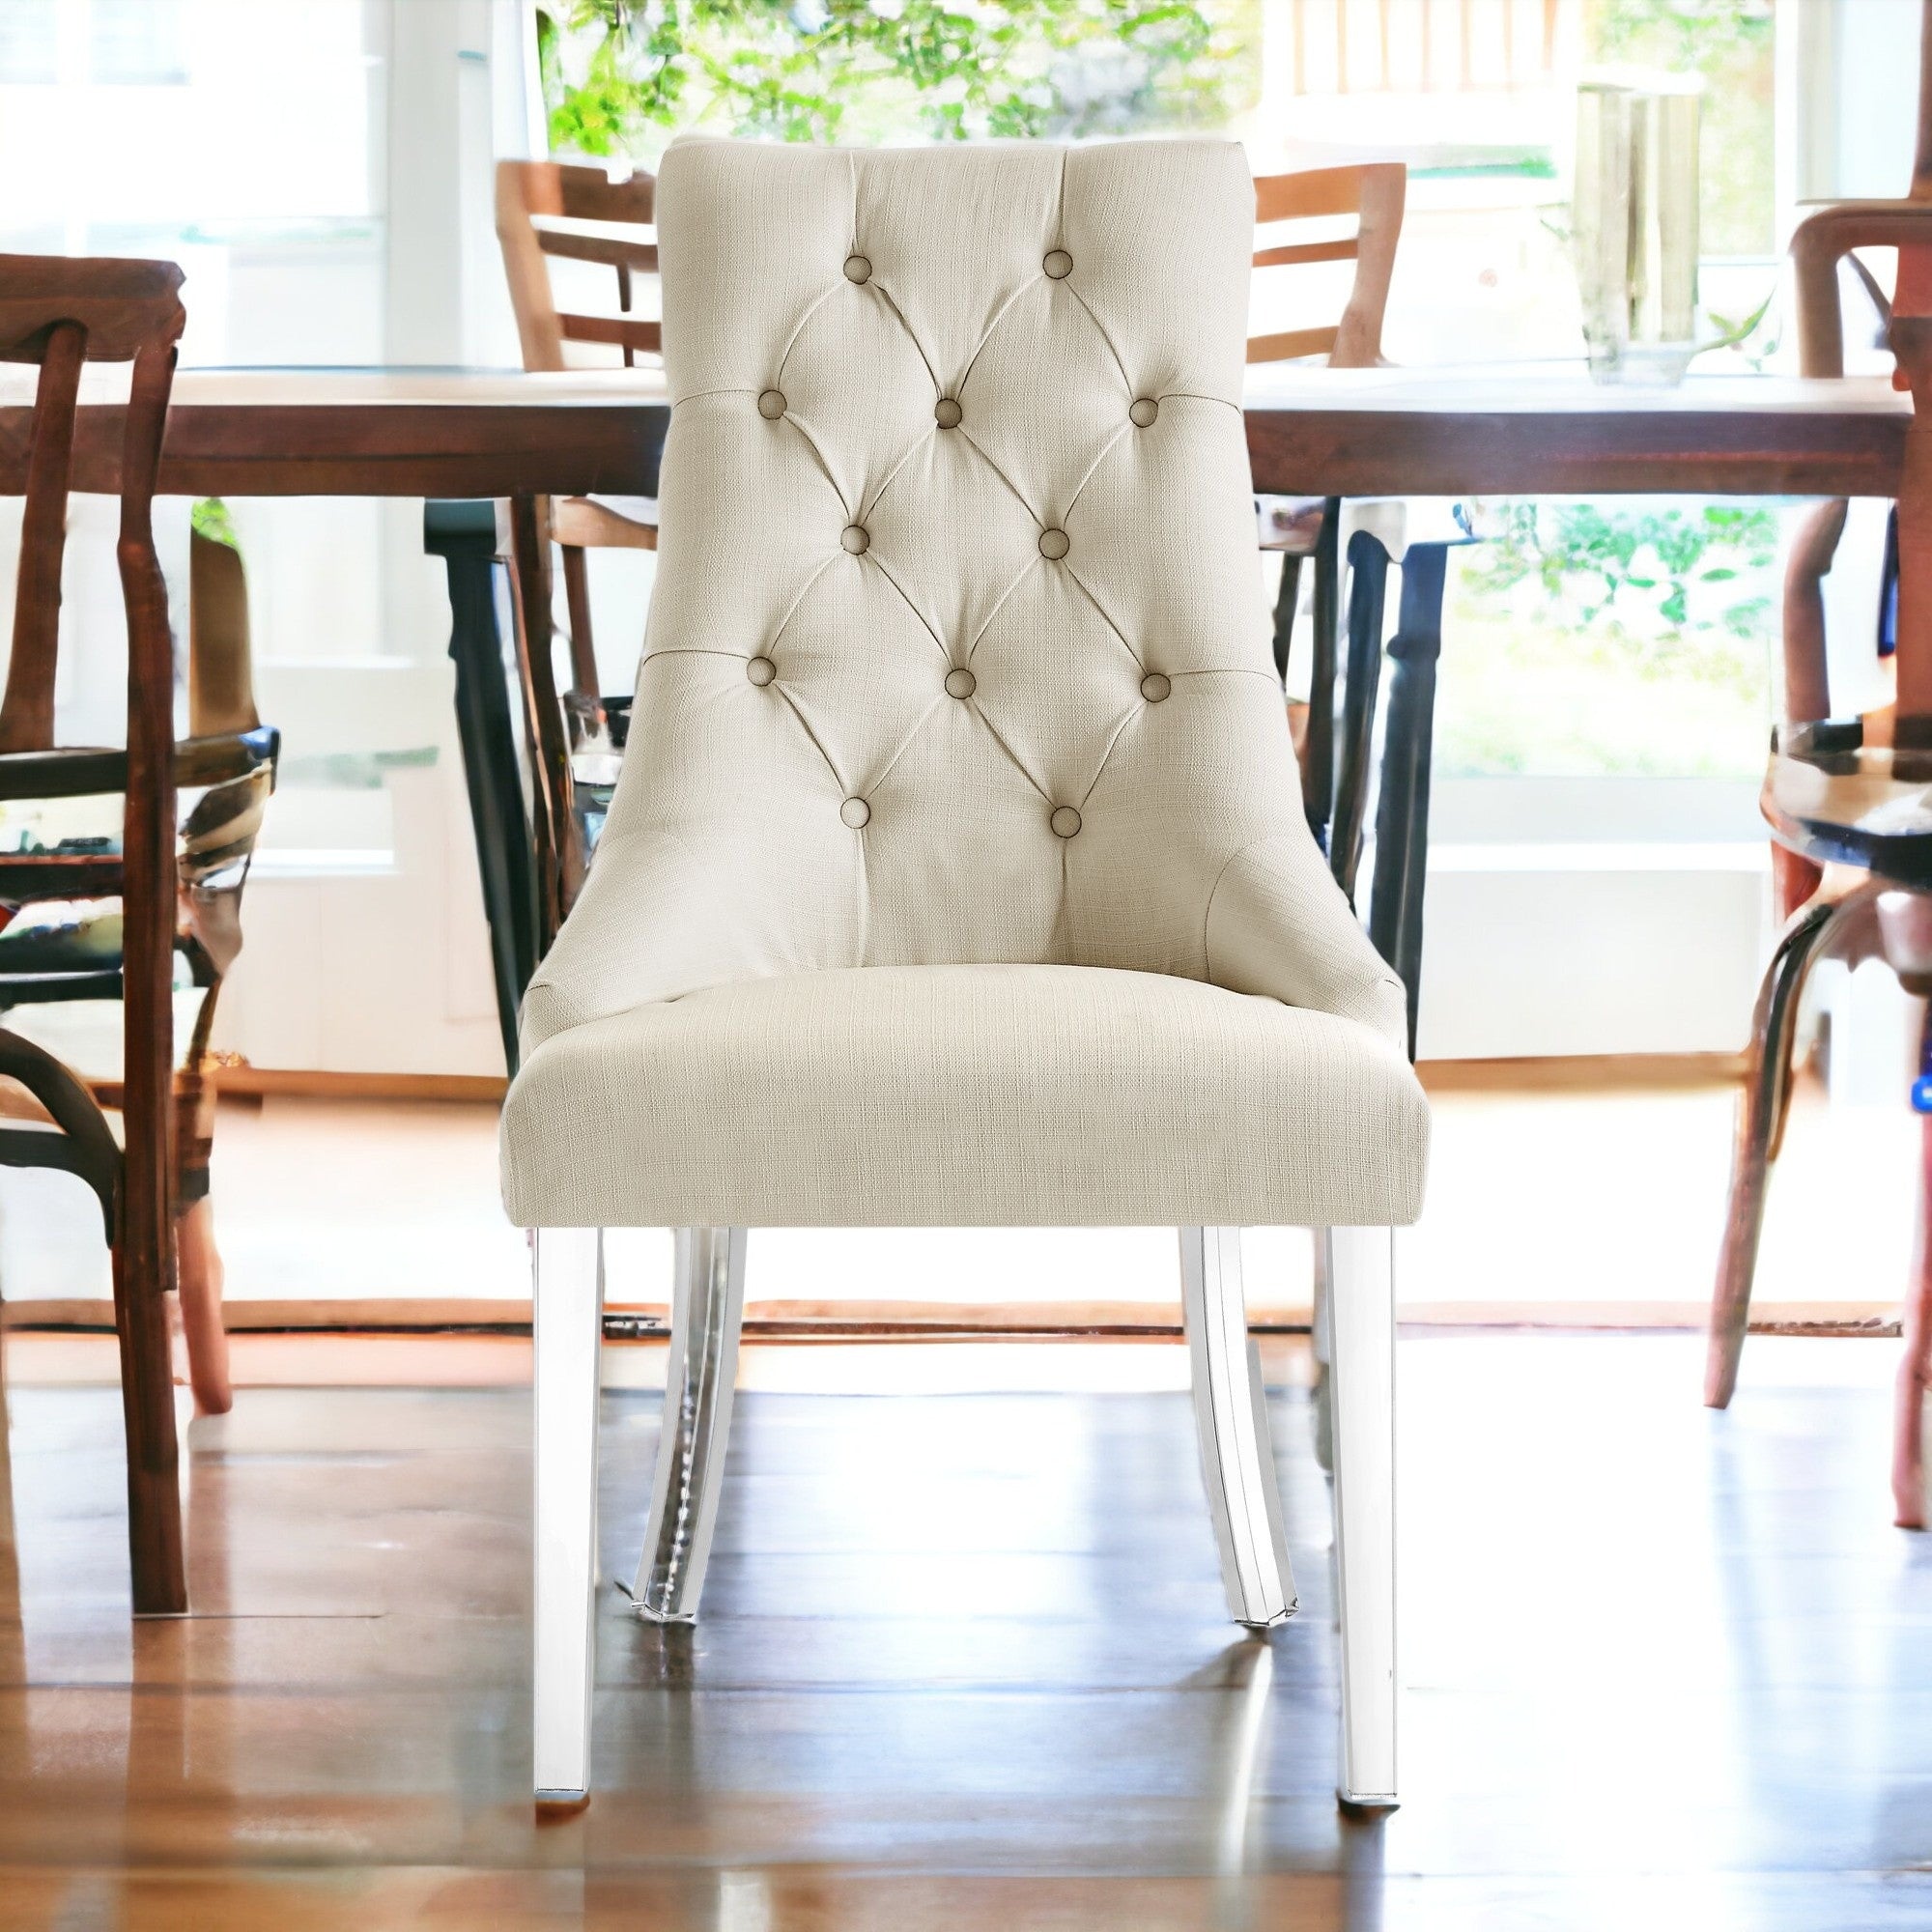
{"points": [[1914, 1369], [1362, 1325], [199, 1274], [1287, 602], [568, 1308], [1317, 757], [1773, 1028], [1230, 1422], [583, 646], [1368, 589], [198, 1270], [707, 1311]]}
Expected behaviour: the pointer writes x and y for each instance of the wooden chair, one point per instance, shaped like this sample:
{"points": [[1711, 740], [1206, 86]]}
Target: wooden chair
{"points": [[60, 940], [1336, 770], [61, 314], [552, 210], [1297, 529], [1843, 796]]}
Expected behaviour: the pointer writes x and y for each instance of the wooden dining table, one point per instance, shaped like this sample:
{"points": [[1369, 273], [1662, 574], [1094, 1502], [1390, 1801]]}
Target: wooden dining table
{"points": [[1488, 430], [1536, 429], [1462, 432], [1527, 430]]}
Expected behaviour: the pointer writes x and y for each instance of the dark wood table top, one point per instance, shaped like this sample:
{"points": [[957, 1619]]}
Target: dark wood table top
{"points": [[1539, 429]]}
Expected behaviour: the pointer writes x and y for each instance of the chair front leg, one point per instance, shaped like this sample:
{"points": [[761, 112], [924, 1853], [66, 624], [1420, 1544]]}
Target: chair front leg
{"points": [[1402, 805], [569, 1328], [1759, 1130], [1362, 1323], [1230, 1421], [707, 1311]]}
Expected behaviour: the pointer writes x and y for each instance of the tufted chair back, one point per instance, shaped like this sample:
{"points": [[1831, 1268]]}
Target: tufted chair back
{"points": [[957, 651]]}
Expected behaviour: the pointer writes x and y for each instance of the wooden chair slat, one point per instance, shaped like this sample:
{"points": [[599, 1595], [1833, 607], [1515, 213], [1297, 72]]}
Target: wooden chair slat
{"points": [[1374, 193], [1294, 253], [1314, 191], [1293, 342], [579, 522], [589, 195], [620, 330], [612, 250]]}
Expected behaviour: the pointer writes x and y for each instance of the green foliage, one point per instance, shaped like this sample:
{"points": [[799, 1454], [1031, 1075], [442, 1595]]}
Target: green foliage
{"points": [[1584, 557], [1615, 638], [1684, 34], [1757, 336], [209, 518], [1687, 34], [618, 73], [1728, 43]]}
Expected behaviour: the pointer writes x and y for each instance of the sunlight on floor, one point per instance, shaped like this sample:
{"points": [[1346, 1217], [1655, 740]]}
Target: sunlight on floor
{"points": [[1534, 1197]]}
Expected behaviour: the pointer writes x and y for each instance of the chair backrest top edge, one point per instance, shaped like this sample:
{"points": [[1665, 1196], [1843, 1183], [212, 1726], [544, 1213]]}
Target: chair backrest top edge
{"points": [[124, 305], [1298, 194], [579, 192]]}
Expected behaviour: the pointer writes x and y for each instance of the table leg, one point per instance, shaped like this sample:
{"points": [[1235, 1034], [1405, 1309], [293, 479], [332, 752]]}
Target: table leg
{"points": [[463, 534], [1401, 809], [560, 864], [1368, 585], [1318, 755]]}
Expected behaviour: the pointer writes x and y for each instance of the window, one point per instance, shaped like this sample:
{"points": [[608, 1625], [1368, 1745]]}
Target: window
{"points": [[29, 49], [138, 42]]}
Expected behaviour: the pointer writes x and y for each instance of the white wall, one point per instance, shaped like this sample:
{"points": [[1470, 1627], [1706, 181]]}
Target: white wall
{"points": [[367, 945]]}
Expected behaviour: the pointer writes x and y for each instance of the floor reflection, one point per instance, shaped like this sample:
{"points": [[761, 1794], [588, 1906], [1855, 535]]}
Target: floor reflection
{"points": [[965, 1665]]}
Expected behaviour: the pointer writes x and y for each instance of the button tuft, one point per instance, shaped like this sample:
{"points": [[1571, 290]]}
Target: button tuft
{"points": [[1052, 544], [960, 683], [1144, 411], [855, 538], [1058, 264], [855, 813], [761, 670], [771, 403], [858, 269], [946, 412], [1155, 686], [1066, 822]]}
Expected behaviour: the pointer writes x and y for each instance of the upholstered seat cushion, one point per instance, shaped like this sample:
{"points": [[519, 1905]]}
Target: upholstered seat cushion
{"points": [[951, 1096]]}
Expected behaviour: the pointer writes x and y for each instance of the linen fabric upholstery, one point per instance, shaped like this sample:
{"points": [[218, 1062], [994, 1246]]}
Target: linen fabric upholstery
{"points": [[957, 872]]}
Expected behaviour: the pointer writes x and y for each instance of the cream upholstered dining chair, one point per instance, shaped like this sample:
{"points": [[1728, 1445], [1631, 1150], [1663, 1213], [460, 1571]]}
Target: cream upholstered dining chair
{"points": [[958, 873]]}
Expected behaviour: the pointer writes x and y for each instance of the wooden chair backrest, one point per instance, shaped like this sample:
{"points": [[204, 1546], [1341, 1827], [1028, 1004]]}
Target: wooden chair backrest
{"points": [[1822, 241], [62, 312], [532, 199], [1374, 192]]}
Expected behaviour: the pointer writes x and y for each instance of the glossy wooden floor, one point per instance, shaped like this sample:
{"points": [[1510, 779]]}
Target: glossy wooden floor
{"points": [[964, 1666]]}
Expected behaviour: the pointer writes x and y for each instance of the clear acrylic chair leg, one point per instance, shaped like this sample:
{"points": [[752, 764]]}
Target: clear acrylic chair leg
{"points": [[1231, 1420], [707, 1310]]}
